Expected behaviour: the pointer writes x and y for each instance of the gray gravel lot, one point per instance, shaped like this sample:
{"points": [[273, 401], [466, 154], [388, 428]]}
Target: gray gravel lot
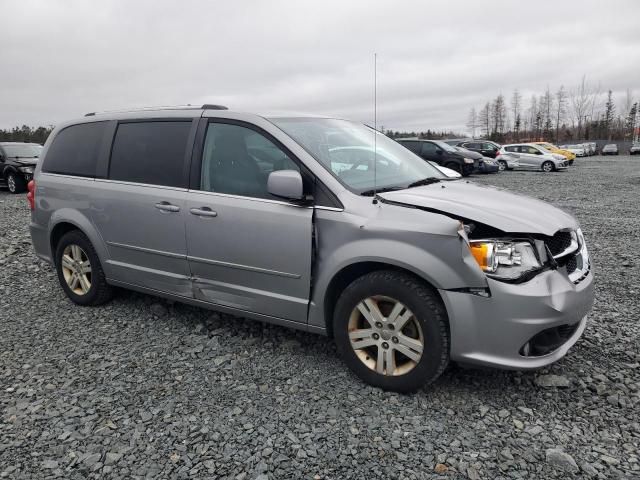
{"points": [[140, 388]]}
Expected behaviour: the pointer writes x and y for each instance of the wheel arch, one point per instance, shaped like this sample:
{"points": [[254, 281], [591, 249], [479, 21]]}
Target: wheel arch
{"points": [[66, 220], [349, 273]]}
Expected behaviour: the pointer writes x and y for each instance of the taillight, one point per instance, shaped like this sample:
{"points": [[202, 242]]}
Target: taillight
{"points": [[31, 195], [498, 153]]}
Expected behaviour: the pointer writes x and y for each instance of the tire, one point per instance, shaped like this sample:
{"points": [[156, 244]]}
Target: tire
{"points": [[502, 165], [548, 166], [570, 162], [98, 290], [16, 183], [425, 322]]}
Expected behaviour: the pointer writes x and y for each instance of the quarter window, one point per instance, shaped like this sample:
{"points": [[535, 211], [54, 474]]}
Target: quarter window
{"points": [[238, 160], [75, 150], [150, 152]]}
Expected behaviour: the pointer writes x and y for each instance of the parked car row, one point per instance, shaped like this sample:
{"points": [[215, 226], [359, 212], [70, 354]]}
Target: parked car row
{"points": [[582, 149], [634, 149]]}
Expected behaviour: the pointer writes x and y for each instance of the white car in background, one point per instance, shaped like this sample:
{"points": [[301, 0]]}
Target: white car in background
{"points": [[581, 150], [534, 157]]}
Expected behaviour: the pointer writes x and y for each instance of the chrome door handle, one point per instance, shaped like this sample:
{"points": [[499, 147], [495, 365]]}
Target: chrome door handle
{"points": [[203, 212], [167, 207]]}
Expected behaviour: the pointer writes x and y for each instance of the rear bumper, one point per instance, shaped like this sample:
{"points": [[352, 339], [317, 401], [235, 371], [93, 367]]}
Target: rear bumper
{"points": [[40, 242], [494, 331]]}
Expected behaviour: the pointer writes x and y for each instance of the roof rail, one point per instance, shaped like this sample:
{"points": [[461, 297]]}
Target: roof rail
{"points": [[208, 106]]}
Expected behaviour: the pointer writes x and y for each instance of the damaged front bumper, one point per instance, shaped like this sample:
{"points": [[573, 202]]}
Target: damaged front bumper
{"points": [[519, 326]]}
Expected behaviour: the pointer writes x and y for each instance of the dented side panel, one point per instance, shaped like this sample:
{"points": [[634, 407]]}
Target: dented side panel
{"points": [[427, 244]]}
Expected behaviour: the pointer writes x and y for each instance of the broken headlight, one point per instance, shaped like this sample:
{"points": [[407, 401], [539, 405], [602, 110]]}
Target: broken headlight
{"points": [[505, 260]]}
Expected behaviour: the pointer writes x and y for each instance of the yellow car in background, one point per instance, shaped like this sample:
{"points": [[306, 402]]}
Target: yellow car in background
{"points": [[553, 149]]}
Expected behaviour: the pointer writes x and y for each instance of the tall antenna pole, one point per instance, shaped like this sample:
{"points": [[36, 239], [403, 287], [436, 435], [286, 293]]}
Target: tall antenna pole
{"points": [[375, 125]]}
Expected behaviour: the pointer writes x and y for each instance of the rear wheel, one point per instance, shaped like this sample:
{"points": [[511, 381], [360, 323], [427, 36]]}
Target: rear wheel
{"points": [[548, 166], [391, 330], [16, 183], [79, 270]]}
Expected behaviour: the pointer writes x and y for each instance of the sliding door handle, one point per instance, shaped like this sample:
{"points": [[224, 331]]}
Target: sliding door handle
{"points": [[167, 207], [203, 212]]}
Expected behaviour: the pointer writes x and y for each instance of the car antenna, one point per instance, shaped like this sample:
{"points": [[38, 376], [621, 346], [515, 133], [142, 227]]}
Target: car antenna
{"points": [[375, 125]]}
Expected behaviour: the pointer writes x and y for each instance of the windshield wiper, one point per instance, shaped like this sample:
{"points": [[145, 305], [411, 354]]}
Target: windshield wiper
{"points": [[424, 181], [370, 193]]}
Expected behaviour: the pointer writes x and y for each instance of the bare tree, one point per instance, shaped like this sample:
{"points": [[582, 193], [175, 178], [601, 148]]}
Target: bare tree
{"points": [[546, 105], [516, 105], [532, 113], [498, 116], [561, 109], [472, 122], [582, 103], [484, 119]]}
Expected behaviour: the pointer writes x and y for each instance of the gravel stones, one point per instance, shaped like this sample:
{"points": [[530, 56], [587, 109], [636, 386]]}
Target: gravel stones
{"points": [[141, 388], [561, 459]]}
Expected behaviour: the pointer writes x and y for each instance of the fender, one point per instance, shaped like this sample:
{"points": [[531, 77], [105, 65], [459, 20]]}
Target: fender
{"points": [[84, 224]]}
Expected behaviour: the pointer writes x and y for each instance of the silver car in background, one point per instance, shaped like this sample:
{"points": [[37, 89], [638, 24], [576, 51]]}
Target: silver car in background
{"points": [[314, 223], [535, 157]]}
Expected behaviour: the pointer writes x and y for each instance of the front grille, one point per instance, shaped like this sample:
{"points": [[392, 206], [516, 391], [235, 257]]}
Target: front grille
{"points": [[572, 265], [559, 242]]}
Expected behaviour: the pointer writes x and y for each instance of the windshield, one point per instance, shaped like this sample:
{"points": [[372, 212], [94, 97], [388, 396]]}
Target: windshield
{"points": [[346, 150], [27, 150]]}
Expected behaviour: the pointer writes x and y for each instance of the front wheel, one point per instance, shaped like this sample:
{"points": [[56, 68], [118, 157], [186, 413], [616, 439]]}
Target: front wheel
{"points": [[391, 330], [548, 167], [16, 183], [502, 165]]}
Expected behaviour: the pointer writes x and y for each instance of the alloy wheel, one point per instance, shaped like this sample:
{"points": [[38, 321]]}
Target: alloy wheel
{"points": [[547, 166], [502, 165], [386, 336], [11, 183], [76, 269]]}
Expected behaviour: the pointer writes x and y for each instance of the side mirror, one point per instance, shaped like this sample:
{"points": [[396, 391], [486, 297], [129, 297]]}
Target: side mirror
{"points": [[285, 184]]}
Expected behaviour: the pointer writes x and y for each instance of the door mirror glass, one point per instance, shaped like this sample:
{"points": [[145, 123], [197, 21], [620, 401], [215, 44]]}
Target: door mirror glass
{"points": [[285, 184]]}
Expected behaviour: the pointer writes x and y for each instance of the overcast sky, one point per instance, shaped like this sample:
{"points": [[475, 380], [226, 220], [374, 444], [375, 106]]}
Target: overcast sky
{"points": [[61, 59]]}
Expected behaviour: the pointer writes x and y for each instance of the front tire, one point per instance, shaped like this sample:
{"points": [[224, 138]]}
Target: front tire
{"points": [[392, 331], [548, 167], [16, 183], [79, 270], [502, 165]]}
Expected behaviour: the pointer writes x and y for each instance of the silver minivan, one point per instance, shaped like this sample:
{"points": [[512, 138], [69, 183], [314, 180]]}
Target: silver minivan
{"points": [[315, 223]]}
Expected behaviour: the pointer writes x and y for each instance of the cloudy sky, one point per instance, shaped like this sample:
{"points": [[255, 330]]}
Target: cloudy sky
{"points": [[61, 58]]}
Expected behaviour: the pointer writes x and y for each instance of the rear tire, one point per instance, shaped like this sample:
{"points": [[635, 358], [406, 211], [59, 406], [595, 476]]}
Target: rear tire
{"points": [[548, 167], [16, 183], [79, 270], [412, 320]]}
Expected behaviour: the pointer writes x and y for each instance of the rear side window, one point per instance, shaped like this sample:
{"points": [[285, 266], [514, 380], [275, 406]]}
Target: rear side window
{"points": [[429, 148], [75, 150], [511, 148], [150, 152]]}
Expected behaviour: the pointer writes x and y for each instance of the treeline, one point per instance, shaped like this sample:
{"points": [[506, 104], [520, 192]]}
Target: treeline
{"points": [[26, 134], [583, 112], [431, 134]]}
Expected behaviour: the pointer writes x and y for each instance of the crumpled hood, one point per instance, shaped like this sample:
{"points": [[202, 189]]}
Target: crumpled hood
{"points": [[497, 208]]}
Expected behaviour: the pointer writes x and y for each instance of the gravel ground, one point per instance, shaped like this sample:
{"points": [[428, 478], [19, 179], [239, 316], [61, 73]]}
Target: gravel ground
{"points": [[140, 388]]}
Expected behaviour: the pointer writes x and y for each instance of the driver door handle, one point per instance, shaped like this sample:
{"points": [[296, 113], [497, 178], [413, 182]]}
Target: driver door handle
{"points": [[167, 207], [203, 212]]}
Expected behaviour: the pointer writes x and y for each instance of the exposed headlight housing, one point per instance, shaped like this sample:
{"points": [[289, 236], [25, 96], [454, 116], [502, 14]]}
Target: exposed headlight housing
{"points": [[505, 260], [468, 160], [26, 169]]}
